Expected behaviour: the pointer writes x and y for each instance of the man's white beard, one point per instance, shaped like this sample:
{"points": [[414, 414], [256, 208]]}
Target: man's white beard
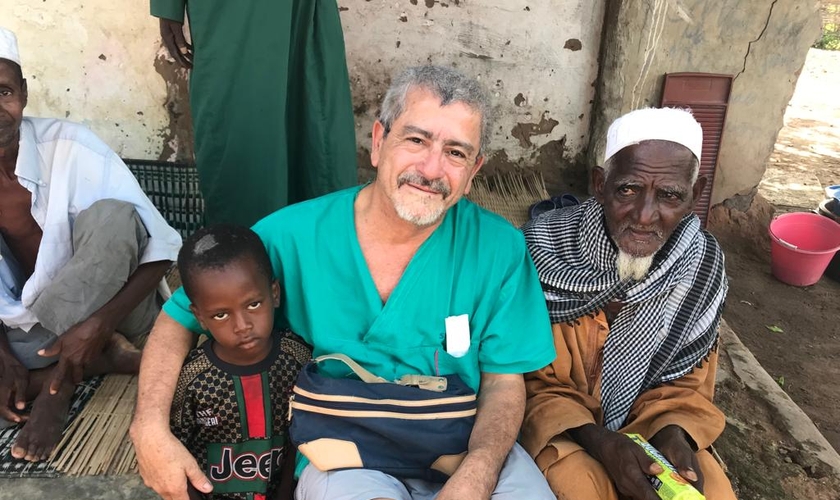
{"points": [[416, 209], [630, 267], [426, 216]]}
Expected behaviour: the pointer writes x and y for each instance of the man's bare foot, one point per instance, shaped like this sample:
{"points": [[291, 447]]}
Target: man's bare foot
{"points": [[46, 422], [120, 356]]}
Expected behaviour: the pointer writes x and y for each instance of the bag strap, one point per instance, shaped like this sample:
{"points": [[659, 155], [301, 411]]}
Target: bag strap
{"points": [[360, 372], [427, 382]]}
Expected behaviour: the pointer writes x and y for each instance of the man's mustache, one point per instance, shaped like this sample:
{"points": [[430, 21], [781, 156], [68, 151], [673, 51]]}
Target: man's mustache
{"points": [[436, 185], [643, 229]]}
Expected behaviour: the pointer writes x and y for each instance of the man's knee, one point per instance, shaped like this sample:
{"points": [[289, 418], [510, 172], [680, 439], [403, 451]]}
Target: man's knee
{"points": [[520, 475], [105, 210], [578, 476], [355, 484], [26, 345], [109, 219]]}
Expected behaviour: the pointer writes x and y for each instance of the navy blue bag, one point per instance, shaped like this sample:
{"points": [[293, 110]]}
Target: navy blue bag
{"points": [[416, 427]]}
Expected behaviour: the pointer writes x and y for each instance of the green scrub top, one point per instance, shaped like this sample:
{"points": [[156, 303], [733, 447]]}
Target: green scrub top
{"points": [[474, 263]]}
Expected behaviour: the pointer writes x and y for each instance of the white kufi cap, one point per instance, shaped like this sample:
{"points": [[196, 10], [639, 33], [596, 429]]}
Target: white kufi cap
{"points": [[655, 124], [9, 46]]}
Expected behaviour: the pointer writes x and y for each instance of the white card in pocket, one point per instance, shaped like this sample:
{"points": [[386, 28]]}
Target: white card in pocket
{"points": [[457, 335]]}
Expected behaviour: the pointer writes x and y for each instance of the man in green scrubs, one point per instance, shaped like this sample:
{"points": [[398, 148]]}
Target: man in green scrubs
{"points": [[270, 99], [384, 273]]}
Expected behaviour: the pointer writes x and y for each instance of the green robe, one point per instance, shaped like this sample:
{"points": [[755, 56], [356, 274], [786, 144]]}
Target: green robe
{"points": [[270, 99]]}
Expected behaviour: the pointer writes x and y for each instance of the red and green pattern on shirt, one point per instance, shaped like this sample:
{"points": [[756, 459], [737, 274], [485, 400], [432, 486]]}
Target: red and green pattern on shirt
{"points": [[233, 421]]}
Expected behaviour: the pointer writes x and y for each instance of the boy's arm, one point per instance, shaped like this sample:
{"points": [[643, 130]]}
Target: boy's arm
{"points": [[165, 464]]}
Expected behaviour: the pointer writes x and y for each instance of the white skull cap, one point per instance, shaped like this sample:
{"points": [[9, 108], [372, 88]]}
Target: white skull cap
{"points": [[9, 46], [655, 124]]}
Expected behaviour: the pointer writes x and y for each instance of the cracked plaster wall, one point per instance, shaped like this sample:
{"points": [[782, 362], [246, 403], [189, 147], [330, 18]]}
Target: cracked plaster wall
{"points": [[92, 61], [763, 42], [538, 59], [101, 63]]}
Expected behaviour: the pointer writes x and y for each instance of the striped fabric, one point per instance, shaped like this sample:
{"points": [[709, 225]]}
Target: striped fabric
{"points": [[669, 320]]}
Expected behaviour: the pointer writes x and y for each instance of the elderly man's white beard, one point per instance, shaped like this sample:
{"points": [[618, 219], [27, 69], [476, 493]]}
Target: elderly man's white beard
{"points": [[635, 268]]}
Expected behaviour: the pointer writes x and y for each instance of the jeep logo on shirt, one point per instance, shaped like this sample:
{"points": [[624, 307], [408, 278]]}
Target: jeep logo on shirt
{"points": [[244, 467]]}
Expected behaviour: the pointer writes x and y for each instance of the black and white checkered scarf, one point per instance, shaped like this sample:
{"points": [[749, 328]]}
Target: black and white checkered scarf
{"points": [[669, 320]]}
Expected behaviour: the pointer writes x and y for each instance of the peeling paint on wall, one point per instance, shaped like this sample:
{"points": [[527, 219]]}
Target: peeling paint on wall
{"points": [[524, 131], [514, 47], [177, 134], [573, 44], [539, 91]]}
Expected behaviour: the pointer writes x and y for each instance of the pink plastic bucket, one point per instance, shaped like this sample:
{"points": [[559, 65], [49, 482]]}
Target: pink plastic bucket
{"points": [[802, 245]]}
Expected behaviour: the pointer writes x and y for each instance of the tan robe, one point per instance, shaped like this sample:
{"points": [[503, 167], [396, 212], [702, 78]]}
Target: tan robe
{"points": [[567, 394]]}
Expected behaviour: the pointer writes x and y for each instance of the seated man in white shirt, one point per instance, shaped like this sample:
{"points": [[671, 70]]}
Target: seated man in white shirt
{"points": [[82, 251]]}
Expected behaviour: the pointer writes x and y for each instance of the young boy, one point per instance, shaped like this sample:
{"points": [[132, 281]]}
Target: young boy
{"points": [[232, 396]]}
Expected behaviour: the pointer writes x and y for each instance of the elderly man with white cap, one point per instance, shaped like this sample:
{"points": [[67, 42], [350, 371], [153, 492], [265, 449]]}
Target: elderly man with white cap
{"points": [[82, 251], [635, 290]]}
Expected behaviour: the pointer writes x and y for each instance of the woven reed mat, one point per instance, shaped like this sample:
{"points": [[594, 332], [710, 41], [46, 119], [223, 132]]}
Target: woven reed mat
{"points": [[96, 441], [11, 467], [509, 195]]}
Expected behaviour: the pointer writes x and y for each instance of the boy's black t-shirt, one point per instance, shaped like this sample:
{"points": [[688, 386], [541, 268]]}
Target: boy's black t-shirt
{"points": [[232, 418]]}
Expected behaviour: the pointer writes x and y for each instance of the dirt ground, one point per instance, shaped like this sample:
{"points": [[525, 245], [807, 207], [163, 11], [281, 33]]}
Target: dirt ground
{"points": [[793, 332]]}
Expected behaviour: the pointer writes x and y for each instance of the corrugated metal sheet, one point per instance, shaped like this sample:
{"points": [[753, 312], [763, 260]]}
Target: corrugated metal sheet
{"points": [[707, 96]]}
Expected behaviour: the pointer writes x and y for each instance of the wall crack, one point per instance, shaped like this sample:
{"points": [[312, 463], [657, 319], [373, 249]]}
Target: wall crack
{"points": [[760, 35]]}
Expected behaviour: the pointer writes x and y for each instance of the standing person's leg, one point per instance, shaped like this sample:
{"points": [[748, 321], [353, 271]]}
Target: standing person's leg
{"points": [[238, 100], [320, 121]]}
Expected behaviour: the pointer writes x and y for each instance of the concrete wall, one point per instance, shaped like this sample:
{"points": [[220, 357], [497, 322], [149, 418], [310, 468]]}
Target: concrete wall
{"points": [[763, 43], [100, 63], [537, 57], [91, 61]]}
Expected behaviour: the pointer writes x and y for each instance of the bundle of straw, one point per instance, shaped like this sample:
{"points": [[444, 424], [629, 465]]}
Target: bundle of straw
{"points": [[97, 441], [509, 195]]}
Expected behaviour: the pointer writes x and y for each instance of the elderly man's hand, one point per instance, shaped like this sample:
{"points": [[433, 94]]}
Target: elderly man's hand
{"points": [[172, 34], [673, 443], [76, 348], [626, 462], [165, 464], [14, 379]]}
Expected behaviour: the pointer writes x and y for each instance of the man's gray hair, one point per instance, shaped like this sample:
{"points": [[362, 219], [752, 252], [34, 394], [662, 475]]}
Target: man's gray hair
{"points": [[447, 84], [695, 167]]}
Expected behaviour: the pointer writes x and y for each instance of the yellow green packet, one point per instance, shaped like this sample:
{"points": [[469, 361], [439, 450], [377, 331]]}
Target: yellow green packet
{"points": [[669, 485]]}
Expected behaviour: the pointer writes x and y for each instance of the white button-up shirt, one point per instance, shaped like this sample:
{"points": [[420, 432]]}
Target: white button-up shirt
{"points": [[67, 168]]}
